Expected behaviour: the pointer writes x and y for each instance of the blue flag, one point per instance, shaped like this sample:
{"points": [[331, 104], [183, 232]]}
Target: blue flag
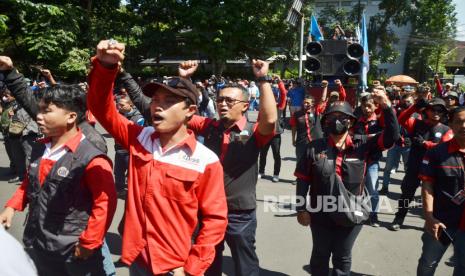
{"points": [[315, 29], [366, 55]]}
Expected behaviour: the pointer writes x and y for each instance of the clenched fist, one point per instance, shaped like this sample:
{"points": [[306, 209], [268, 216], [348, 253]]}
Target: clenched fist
{"points": [[110, 52], [187, 68], [5, 63], [260, 68]]}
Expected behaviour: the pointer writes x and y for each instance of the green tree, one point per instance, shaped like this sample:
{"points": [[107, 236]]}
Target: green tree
{"points": [[433, 29]]}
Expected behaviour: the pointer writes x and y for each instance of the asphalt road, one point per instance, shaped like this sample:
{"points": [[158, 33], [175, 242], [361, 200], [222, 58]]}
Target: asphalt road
{"points": [[284, 246]]}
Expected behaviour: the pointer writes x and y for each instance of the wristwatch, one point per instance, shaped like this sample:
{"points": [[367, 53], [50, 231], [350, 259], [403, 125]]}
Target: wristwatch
{"points": [[265, 79]]}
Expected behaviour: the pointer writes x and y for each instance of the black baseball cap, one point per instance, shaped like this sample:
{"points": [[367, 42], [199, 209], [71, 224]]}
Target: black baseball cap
{"points": [[175, 85], [339, 106]]}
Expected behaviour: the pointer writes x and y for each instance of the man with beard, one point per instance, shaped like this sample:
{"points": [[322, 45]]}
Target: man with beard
{"points": [[425, 133]]}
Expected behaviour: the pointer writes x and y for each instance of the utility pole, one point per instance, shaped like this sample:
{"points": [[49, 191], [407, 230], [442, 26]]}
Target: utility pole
{"points": [[301, 46]]}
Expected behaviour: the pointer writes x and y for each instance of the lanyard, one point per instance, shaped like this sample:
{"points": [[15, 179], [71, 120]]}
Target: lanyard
{"points": [[309, 136]]}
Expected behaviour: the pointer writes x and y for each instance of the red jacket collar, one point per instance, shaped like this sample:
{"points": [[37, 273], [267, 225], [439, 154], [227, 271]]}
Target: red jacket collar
{"points": [[71, 144]]}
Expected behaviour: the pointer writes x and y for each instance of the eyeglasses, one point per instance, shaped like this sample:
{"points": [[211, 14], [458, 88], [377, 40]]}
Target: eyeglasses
{"points": [[229, 101]]}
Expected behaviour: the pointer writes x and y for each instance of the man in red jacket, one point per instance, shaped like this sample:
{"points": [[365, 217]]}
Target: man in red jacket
{"points": [[173, 179]]}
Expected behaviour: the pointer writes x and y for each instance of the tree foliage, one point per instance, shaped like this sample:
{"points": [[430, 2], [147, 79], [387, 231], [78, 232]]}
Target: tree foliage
{"points": [[61, 34], [433, 30]]}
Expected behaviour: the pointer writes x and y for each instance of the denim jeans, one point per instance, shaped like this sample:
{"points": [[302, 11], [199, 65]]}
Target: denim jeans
{"points": [[108, 264], [240, 237], [433, 251], [392, 162], [371, 182], [334, 242], [253, 104]]}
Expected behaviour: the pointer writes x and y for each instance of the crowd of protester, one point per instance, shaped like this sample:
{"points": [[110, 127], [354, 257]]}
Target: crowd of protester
{"points": [[187, 160]]}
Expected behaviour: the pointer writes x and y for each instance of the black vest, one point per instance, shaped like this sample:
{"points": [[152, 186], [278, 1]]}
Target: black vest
{"points": [[313, 122], [450, 179], [239, 164], [322, 158], [428, 133], [59, 209]]}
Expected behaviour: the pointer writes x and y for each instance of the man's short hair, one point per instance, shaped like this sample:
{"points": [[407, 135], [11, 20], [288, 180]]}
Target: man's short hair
{"points": [[405, 96], [454, 111], [69, 97], [309, 97], [245, 92]]}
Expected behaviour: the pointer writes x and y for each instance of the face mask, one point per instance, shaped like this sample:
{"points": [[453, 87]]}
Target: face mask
{"points": [[337, 127], [5, 99]]}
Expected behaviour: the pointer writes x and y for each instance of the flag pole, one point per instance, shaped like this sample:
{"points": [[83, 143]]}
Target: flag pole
{"points": [[301, 46]]}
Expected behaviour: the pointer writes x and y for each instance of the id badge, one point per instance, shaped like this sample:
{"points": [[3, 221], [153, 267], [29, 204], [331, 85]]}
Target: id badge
{"points": [[459, 198]]}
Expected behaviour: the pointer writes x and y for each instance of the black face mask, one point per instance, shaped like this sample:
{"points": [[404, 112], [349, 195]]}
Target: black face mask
{"points": [[337, 127]]}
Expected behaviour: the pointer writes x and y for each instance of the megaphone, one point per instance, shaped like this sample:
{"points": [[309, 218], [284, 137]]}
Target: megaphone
{"points": [[314, 48], [355, 50], [352, 67], [312, 64]]}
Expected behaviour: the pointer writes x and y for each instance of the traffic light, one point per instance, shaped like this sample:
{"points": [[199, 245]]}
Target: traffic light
{"points": [[333, 58]]}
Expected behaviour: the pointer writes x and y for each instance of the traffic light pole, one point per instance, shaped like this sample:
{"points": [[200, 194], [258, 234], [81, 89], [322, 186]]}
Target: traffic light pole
{"points": [[301, 46]]}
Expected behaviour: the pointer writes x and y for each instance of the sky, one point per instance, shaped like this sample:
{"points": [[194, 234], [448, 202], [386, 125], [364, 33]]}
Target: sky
{"points": [[460, 9]]}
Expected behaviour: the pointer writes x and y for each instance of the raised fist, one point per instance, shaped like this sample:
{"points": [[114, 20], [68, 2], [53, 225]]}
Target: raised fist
{"points": [[5, 63], [380, 97], [46, 73], [110, 52], [324, 83], [187, 68], [260, 68], [338, 82]]}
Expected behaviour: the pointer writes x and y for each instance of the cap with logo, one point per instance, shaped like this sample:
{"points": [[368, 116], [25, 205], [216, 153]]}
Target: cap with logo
{"points": [[178, 86], [339, 106]]}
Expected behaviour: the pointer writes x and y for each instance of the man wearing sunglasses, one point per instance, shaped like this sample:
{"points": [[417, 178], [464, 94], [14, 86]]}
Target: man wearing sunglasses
{"points": [[425, 134], [237, 142]]}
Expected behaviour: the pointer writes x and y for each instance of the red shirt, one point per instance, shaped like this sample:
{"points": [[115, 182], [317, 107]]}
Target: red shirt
{"points": [[98, 171], [200, 125], [167, 190], [408, 122], [321, 107], [282, 95]]}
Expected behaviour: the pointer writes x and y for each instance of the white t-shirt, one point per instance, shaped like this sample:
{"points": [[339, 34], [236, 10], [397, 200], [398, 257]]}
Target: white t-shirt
{"points": [[14, 261]]}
